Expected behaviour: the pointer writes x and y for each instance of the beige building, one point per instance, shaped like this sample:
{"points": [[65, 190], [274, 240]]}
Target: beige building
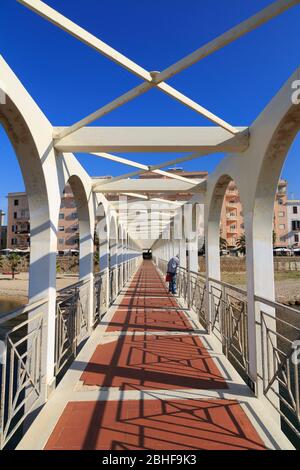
{"points": [[18, 230], [232, 221], [18, 221], [293, 223], [231, 225]]}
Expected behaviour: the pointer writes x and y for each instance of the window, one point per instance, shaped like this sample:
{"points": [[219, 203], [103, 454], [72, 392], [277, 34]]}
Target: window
{"points": [[74, 229], [280, 214], [15, 215], [280, 202], [74, 215], [13, 228], [61, 229], [296, 238], [295, 210], [61, 216], [16, 202], [296, 225], [281, 226], [14, 241], [61, 241]]}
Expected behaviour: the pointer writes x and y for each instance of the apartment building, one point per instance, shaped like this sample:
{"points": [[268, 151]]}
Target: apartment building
{"points": [[3, 231], [293, 223], [232, 220], [18, 221], [280, 215], [18, 230], [286, 220]]}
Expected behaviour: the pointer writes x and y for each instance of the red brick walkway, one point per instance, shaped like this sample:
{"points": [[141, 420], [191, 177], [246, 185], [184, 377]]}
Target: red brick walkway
{"points": [[153, 349]]}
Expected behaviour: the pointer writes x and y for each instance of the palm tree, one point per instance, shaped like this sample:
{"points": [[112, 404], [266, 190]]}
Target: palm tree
{"points": [[223, 243], [14, 261], [241, 244]]}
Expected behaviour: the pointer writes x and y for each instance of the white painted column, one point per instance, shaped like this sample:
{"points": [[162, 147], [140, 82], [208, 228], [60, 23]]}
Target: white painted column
{"points": [[182, 253], [42, 285], [104, 268]]}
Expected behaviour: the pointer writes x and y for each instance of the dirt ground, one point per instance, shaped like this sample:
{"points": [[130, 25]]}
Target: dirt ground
{"points": [[287, 284], [18, 288]]}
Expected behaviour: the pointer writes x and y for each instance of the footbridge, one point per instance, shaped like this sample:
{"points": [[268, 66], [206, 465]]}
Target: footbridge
{"points": [[115, 361]]}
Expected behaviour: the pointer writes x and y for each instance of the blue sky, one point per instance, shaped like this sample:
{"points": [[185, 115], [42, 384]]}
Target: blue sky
{"points": [[69, 80]]}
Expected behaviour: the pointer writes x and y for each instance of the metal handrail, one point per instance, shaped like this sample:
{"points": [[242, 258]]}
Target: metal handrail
{"points": [[21, 374], [21, 311]]}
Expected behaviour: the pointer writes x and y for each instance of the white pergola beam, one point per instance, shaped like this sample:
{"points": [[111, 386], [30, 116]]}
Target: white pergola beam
{"points": [[151, 79], [84, 36], [155, 79], [125, 161], [230, 36], [153, 139], [146, 186]]}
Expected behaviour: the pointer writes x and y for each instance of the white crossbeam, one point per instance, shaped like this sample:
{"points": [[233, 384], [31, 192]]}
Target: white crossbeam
{"points": [[250, 24], [125, 161], [153, 139], [147, 186], [150, 78]]}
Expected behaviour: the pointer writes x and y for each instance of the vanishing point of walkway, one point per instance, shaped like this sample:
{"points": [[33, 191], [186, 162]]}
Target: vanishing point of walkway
{"points": [[148, 379]]}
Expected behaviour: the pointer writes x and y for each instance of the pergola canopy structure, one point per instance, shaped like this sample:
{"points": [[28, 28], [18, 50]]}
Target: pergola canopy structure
{"points": [[139, 209], [193, 141]]}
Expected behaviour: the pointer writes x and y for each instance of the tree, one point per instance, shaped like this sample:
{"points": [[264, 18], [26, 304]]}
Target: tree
{"points": [[223, 243], [241, 244], [96, 258], [14, 261]]}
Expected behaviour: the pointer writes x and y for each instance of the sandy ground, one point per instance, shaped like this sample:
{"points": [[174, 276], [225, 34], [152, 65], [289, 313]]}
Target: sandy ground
{"points": [[287, 285], [18, 287]]}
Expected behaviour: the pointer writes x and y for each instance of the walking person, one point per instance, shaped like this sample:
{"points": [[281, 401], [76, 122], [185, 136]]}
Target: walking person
{"points": [[173, 265]]}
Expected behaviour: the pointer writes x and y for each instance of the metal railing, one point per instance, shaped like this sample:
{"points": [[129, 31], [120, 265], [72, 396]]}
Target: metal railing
{"points": [[113, 273], [229, 323], [183, 284], [20, 367], [98, 280], [197, 298], [279, 327], [71, 322]]}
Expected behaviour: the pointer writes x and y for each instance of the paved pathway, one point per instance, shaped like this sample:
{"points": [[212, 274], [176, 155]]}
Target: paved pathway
{"points": [[151, 350]]}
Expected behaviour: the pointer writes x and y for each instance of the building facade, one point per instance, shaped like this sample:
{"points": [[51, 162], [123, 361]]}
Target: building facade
{"points": [[232, 221], [280, 216], [286, 225], [293, 223], [3, 231], [18, 222]]}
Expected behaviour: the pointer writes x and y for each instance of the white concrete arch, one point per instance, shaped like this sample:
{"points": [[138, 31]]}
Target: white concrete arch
{"points": [[214, 202], [256, 173], [120, 256], [113, 256], [102, 220], [31, 136]]}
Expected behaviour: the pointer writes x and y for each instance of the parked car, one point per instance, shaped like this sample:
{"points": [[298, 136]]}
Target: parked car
{"points": [[282, 251]]}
